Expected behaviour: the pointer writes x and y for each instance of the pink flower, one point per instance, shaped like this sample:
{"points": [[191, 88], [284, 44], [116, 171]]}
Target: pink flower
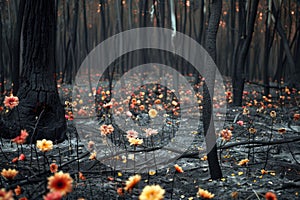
{"points": [[21, 139], [241, 123], [132, 134], [150, 131], [53, 196], [129, 114], [11, 101]]}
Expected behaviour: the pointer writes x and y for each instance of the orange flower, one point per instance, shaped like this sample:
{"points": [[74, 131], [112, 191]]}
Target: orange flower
{"points": [[132, 181], [18, 190], [243, 162], [226, 134], [6, 195], [53, 196], [153, 192], [81, 177], [178, 168], [235, 195], [106, 129], [205, 194], [60, 182], [9, 174], [21, 139], [53, 168], [142, 107], [120, 191], [44, 145], [263, 171], [157, 101], [11, 101], [270, 196]]}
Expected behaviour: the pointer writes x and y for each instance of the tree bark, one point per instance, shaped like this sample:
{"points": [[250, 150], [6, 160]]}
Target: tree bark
{"points": [[210, 45], [239, 72], [40, 111]]}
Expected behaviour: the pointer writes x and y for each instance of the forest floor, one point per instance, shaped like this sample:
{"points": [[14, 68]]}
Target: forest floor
{"points": [[274, 146]]}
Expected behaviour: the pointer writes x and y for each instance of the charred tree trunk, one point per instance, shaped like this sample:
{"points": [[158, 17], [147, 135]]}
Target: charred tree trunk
{"points": [[210, 45], [40, 111], [1, 60], [16, 48], [239, 72]]}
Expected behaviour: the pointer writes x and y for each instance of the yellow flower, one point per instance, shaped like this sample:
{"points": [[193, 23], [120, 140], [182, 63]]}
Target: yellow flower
{"points": [[152, 113], [246, 111], [152, 192], [60, 182], [93, 156], [44, 145], [273, 114], [252, 130], [9, 174], [205, 194], [243, 162], [132, 181], [135, 141]]}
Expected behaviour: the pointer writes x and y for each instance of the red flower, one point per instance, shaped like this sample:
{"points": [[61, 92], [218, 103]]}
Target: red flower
{"points": [[22, 157], [270, 196], [21, 139]]}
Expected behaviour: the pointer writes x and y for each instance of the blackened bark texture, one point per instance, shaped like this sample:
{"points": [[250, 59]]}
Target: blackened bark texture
{"points": [[210, 45], [238, 78], [1, 61], [40, 111], [15, 62]]}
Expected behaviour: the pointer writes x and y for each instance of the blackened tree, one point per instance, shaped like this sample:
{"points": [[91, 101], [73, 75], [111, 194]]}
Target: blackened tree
{"points": [[40, 111]]}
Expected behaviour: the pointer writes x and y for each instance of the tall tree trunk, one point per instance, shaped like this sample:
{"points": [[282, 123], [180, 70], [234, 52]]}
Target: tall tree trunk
{"points": [[210, 45], [239, 72], [1, 60], [39, 105], [16, 47]]}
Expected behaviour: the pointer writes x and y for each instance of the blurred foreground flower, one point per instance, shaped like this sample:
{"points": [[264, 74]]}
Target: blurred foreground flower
{"points": [[153, 192], [205, 194], [132, 181], [53, 196], [44, 145], [60, 182], [11, 101], [270, 196], [6, 195], [152, 113], [9, 174]]}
